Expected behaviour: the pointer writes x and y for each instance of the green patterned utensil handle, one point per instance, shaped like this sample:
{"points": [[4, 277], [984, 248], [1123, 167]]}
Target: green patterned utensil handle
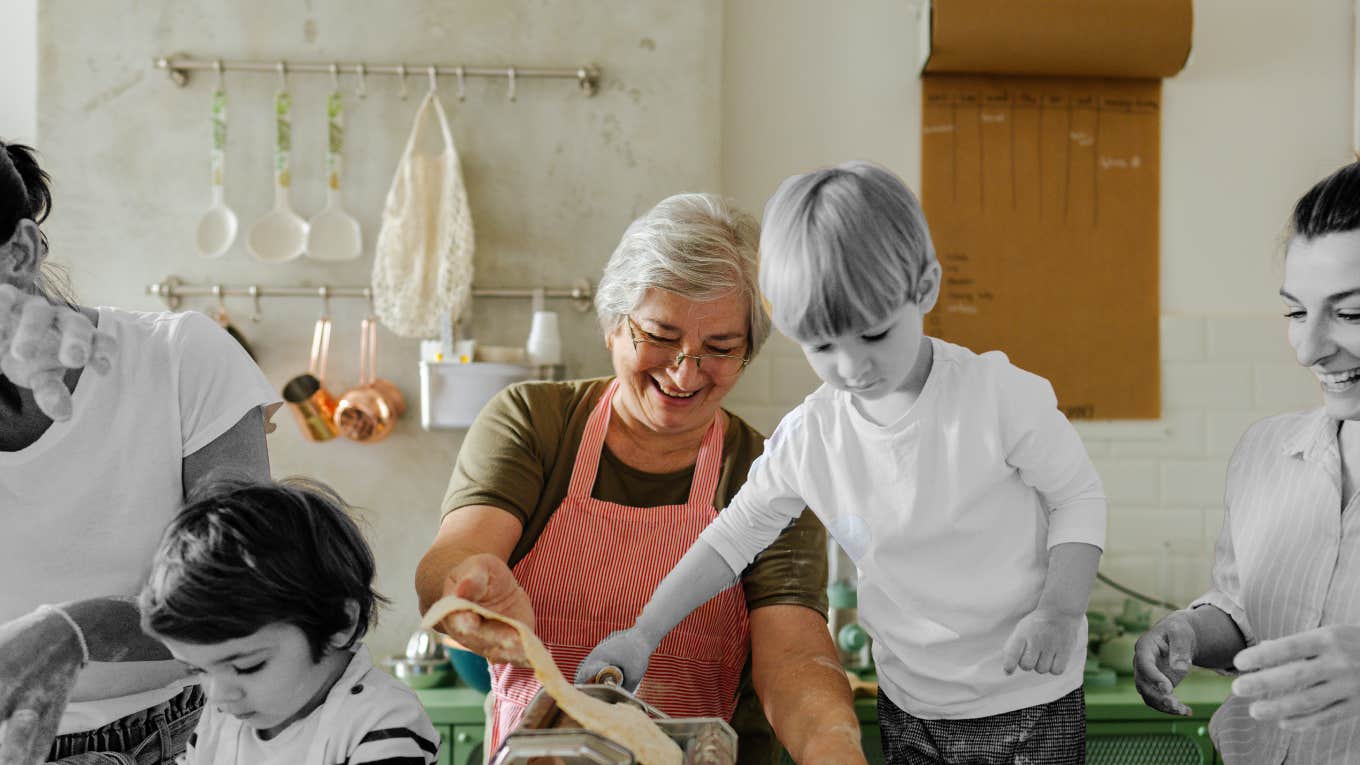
{"points": [[283, 136], [335, 138], [219, 135]]}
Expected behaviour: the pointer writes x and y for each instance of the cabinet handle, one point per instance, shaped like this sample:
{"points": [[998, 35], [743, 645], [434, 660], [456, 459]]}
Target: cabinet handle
{"points": [[462, 738], [1201, 731]]}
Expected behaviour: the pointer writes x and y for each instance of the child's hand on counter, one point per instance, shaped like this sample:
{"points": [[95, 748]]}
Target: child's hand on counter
{"points": [[1041, 642]]}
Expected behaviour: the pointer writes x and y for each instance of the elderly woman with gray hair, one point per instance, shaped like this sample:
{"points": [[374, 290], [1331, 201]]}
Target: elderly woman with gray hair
{"points": [[571, 500]]}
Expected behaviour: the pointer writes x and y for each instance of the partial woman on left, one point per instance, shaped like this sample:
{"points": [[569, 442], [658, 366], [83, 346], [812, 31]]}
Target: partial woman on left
{"points": [[107, 419]]}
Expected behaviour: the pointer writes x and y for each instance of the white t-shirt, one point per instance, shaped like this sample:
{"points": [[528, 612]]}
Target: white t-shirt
{"points": [[948, 513], [368, 716], [84, 506]]}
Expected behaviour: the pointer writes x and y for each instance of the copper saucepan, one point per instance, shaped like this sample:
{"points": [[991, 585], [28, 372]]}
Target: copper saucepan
{"points": [[368, 411]]}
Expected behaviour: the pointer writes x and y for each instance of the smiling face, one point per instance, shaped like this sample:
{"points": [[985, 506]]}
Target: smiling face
{"points": [[654, 393], [1322, 295], [267, 679]]}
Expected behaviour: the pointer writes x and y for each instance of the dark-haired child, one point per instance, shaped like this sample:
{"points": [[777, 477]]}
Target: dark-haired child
{"points": [[264, 590]]}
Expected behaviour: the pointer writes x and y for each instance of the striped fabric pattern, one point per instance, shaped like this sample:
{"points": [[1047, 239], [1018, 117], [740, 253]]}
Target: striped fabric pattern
{"points": [[1286, 561], [594, 568], [393, 746]]}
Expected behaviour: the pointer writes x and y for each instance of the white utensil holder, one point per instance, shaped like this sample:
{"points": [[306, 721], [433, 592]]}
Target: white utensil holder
{"points": [[452, 394]]}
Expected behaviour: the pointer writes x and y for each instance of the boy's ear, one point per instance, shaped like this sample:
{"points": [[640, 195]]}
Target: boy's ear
{"points": [[345, 636], [928, 288], [22, 254]]}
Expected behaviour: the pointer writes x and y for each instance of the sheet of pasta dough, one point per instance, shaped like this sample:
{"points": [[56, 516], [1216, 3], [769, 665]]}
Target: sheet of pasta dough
{"points": [[624, 724]]}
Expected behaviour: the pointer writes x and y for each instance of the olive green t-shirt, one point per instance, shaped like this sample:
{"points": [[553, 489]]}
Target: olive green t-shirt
{"points": [[519, 455]]}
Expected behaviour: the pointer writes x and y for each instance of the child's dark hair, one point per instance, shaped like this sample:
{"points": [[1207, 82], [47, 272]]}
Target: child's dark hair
{"points": [[25, 188], [26, 193], [1332, 206], [241, 555]]}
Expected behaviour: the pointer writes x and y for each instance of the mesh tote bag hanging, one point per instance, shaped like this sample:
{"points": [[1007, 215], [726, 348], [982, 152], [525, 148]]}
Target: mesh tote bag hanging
{"points": [[423, 267]]}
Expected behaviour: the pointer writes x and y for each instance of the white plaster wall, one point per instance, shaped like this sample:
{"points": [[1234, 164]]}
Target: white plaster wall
{"points": [[18, 70], [1261, 112], [553, 180]]}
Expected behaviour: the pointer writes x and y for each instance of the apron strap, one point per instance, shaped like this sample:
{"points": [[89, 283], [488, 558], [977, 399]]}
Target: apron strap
{"points": [[587, 464]]}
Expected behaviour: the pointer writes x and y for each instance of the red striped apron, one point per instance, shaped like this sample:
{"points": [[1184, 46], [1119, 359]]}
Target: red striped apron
{"points": [[594, 568]]}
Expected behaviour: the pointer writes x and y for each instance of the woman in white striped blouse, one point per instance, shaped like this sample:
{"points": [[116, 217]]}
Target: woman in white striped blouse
{"points": [[1284, 608]]}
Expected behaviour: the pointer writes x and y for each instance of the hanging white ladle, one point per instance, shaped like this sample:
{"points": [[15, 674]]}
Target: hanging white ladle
{"points": [[281, 234], [334, 234], [217, 227]]}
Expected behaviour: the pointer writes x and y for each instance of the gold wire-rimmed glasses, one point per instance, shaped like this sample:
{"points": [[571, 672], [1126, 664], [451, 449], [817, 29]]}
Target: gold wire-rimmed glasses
{"points": [[652, 351]]}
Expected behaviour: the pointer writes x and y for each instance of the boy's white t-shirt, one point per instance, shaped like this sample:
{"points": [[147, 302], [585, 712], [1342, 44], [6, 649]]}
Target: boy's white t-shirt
{"points": [[368, 716], [948, 513], [83, 508]]}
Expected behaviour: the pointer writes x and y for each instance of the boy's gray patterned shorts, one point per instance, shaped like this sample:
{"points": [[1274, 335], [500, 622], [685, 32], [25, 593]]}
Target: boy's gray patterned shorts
{"points": [[1044, 734]]}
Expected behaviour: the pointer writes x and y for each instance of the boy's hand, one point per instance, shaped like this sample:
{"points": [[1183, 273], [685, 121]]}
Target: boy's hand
{"points": [[1041, 642], [487, 581], [1161, 658], [629, 650]]}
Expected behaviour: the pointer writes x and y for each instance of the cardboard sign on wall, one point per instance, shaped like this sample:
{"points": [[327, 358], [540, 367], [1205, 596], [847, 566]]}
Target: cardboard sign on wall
{"points": [[1042, 192]]}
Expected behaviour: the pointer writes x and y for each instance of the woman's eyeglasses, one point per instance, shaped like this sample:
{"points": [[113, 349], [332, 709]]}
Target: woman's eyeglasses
{"points": [[652, 351]]}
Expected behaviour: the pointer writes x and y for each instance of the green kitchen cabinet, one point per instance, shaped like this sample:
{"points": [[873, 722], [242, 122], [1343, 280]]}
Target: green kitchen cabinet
{"points": [[1122, 730], [457, 714]]}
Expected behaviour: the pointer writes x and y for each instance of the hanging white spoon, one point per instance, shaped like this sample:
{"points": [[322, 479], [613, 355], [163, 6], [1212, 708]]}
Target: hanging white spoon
{"points": [[281, 234], [334, 234], [217, 227]]}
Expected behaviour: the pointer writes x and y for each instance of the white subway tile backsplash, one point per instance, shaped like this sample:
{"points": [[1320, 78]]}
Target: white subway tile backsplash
{"points": [[1095, 447], [1284, 388], [1182, 435], [1131, 482], [1191, 385], [1193, 481], [1147, 529], [1248, 338], [1134, 570], [1182, 338], [1225, 428]]}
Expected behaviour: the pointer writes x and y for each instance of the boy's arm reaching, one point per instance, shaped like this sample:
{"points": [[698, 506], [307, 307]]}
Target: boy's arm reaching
{"points": [[1042, 641], [700, 574]]}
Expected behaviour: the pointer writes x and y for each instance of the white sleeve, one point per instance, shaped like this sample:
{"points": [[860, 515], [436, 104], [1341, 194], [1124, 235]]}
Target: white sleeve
{"points": [[1225, 592], [217, 382], [767, 502], [1041, 444]]}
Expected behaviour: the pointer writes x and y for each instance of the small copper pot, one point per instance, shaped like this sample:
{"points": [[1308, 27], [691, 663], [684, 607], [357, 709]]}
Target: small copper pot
{"points": [[313, 405], [368, 411]]}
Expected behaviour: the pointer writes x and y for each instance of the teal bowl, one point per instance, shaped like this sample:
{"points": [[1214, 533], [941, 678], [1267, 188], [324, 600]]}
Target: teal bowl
{"points": [[471, 668]]}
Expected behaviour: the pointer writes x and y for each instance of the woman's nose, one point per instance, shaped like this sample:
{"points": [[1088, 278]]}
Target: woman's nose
{"points": [[1313, 342], [686, 373]]}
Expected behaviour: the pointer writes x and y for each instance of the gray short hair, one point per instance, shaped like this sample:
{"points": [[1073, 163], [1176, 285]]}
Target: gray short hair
{"points": [[844, 247], [698, 246]]}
